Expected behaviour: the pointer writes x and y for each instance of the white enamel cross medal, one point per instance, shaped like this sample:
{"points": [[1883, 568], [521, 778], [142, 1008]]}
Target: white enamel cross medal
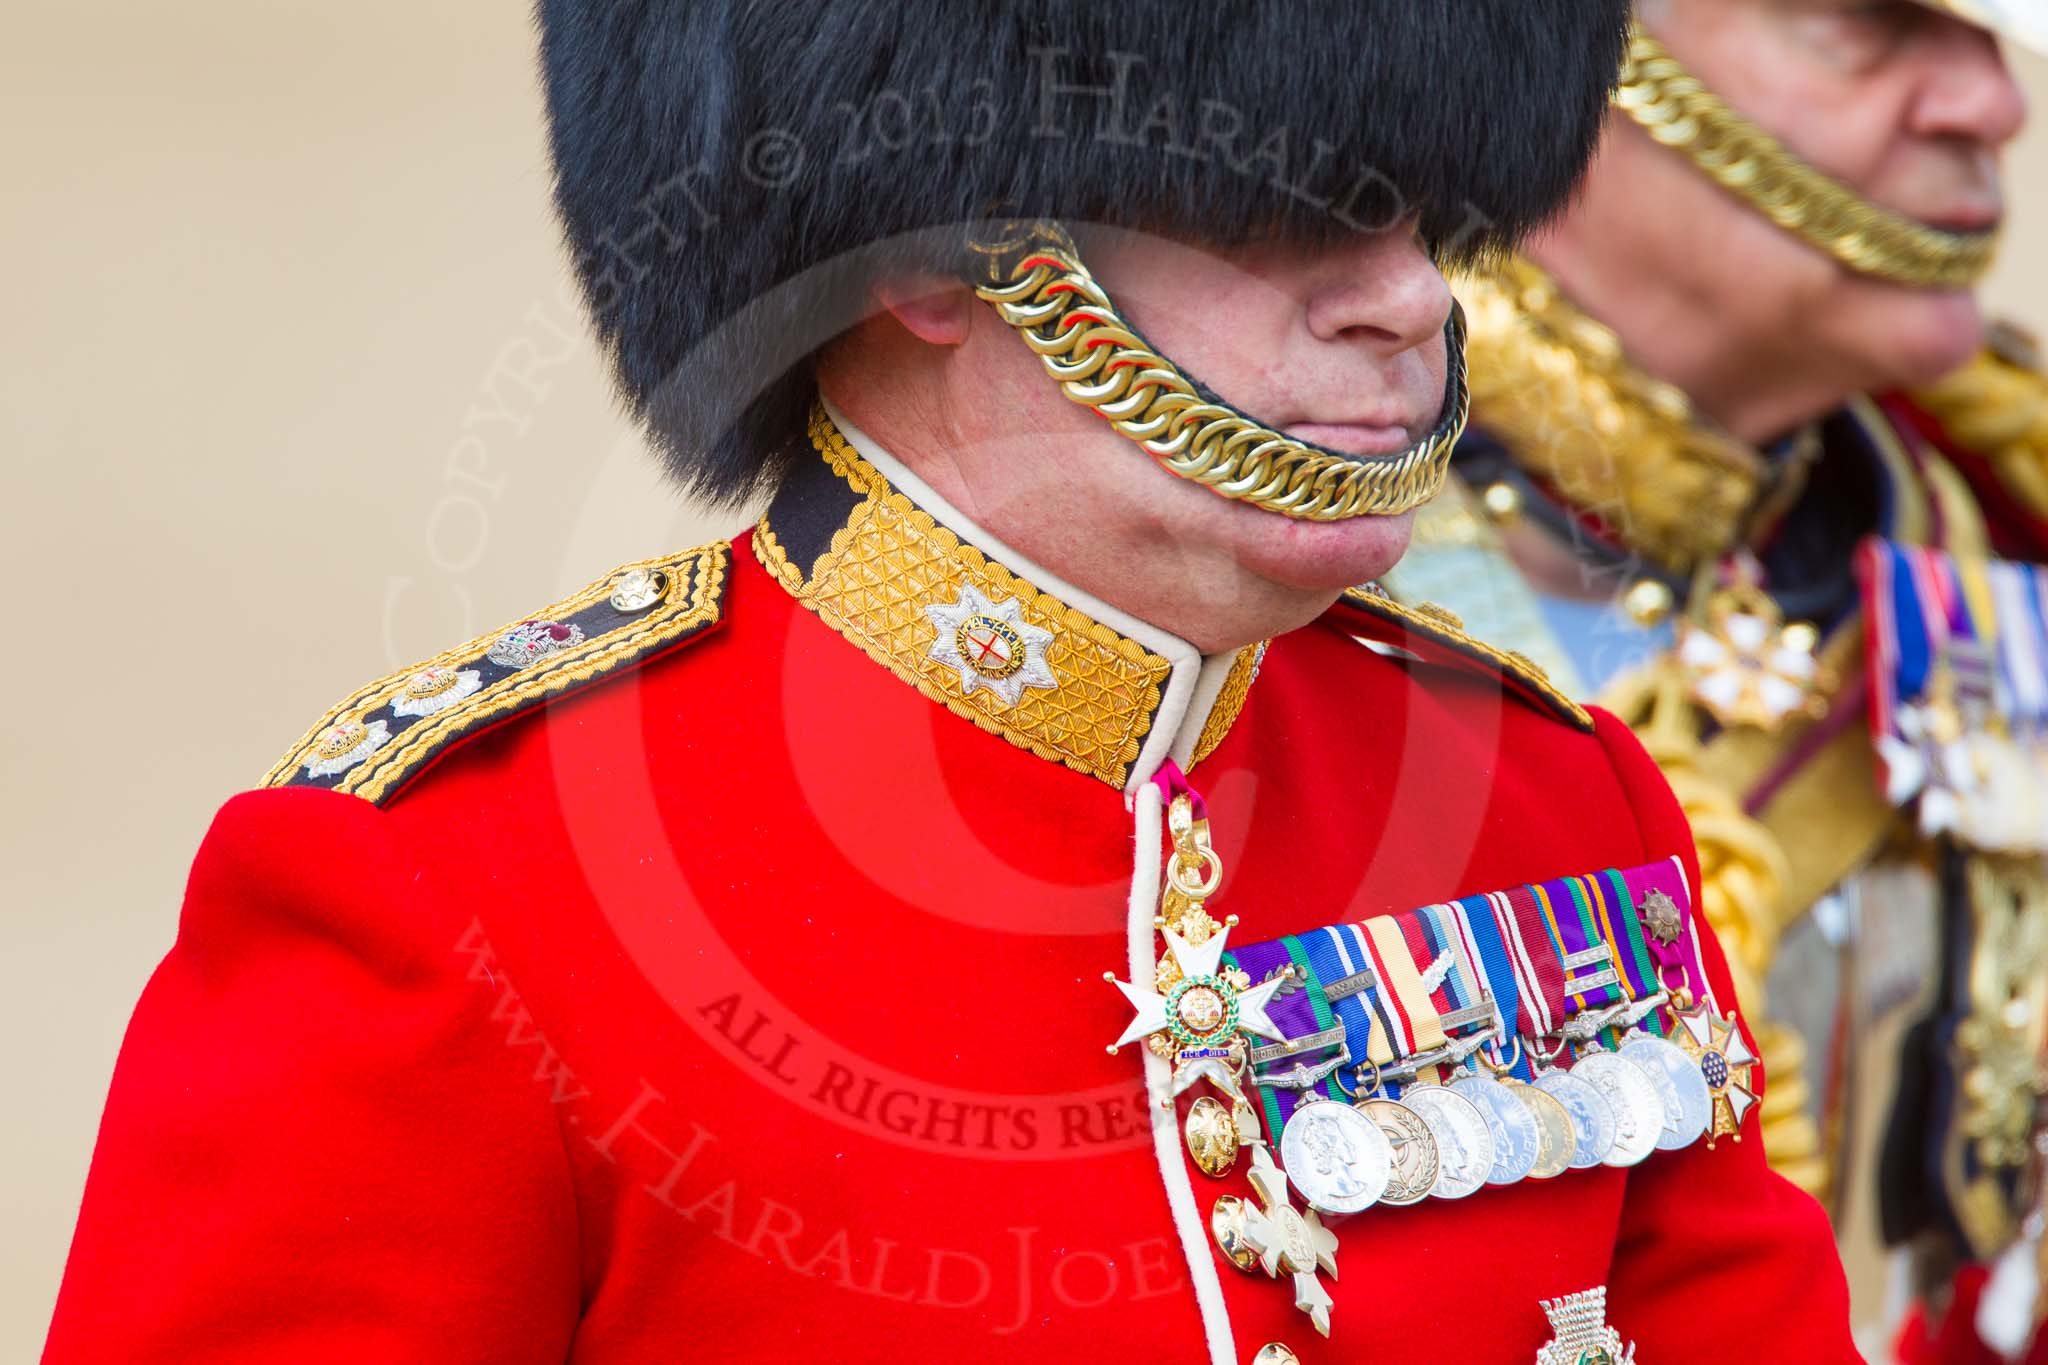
{"points": [[1200, 1011], [1290, 1242]]}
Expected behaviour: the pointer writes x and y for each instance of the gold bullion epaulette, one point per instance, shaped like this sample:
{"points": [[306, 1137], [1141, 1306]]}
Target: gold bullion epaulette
{"points": [[1435, 635], [1997, 407], [381, 736]]}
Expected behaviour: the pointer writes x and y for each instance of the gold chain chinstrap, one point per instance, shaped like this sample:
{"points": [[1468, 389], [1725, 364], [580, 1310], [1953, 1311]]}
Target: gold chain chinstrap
{"points": [[1674, 107], [1103, 363]]}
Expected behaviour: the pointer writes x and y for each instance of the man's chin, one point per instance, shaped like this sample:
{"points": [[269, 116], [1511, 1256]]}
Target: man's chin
{"points": [[1953, 333], [1318, 556], [1924, 334]]}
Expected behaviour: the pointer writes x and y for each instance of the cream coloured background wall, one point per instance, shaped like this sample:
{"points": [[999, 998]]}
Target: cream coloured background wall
{"points": [[292, 391]]}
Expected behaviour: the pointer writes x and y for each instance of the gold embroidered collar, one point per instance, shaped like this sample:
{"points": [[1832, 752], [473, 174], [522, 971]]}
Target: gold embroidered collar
{"points": [[973, 626], [1556, 388]]}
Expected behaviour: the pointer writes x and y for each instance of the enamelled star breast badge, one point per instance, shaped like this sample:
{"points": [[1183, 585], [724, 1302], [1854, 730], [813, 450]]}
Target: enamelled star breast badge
{"points": [[990, 645], [1717, 1047], [1203, 1013]]}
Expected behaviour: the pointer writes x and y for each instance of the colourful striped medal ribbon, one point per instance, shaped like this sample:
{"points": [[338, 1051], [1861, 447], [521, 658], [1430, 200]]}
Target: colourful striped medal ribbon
{"points": [[1575, 922], [1292, 1073], [1369, 996], [1464, 999], [1958, 612], [1358, 995], [1463, 1005], [1876, 574], [1480, 919], [1419, 1029], [1632, 947], [1537, 963], [2022, 658]]}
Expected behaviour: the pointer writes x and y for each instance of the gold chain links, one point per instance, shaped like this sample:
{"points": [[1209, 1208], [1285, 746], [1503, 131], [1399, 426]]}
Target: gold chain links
{"points": [[1672, 106], [1102, 363]]}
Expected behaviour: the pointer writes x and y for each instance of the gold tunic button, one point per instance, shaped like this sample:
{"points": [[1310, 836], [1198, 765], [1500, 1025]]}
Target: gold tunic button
{"points": [[1212, 1137], [1226, 1224], [1502, 503], [638, 589], [1648, 602], [1275, 1353]]}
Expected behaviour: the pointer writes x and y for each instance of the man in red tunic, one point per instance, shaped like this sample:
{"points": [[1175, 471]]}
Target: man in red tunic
{"points": [[710, 967]]}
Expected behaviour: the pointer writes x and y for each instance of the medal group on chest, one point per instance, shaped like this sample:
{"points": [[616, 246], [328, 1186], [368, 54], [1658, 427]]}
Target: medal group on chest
{"points": [[1514, 1036], [1959, 695]]}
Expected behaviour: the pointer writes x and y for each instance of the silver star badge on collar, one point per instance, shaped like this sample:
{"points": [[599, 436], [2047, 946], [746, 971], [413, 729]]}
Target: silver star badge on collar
{"points": [[990, 645]]}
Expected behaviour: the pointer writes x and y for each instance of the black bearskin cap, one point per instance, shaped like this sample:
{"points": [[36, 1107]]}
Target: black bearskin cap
{"points": [[732, 174]]}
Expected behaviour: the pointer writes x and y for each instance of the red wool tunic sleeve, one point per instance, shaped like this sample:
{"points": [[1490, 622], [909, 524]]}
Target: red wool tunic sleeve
{"points": [[318, 1145], [1717, 1256]]}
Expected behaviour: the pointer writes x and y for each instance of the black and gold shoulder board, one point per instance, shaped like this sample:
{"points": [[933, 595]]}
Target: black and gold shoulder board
{"points": [[1435, 635], [384, 734]]}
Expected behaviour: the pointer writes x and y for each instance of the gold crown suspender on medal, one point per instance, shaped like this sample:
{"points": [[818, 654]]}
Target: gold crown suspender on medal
{"points": [[1039, 286], [1674, 107]]}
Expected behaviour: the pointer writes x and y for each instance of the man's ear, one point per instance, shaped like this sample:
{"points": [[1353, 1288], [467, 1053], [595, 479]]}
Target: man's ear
{"points": [[931, 307]]}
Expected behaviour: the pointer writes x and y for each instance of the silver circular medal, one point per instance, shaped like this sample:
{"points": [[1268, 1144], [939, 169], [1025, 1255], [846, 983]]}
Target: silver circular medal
{"points": [[1336, 1157], [1638, 1112], [1516, 1135], [1592, 1117], [1464, 1143], [1688, 1104]]}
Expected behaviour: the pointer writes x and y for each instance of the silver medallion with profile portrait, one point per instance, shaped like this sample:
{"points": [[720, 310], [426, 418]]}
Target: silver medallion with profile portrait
{"points": [[1516, 1136], [1464, 1142], [1336, 1157], [1688, 1104], [1592, 1117], [1638, 1109]]}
